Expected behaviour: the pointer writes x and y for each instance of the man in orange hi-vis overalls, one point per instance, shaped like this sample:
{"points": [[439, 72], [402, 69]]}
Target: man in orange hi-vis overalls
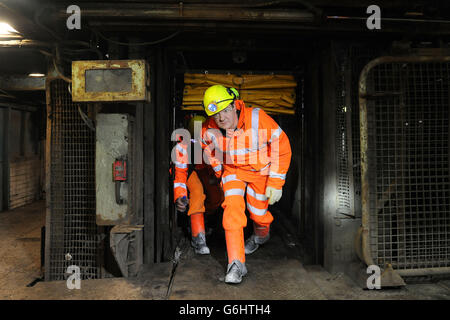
{"points": [[205, 193], [256, 154]]}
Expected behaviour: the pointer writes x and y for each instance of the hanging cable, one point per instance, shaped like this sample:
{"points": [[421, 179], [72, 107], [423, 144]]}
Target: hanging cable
{"points": [[86, 119], [137, 43], [37, 21], [56, 58]]}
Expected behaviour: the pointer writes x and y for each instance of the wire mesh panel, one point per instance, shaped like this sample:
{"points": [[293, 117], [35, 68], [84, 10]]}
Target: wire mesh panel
{"points": [[343, 137], [73, 231], [350, 60], [408, 173]]}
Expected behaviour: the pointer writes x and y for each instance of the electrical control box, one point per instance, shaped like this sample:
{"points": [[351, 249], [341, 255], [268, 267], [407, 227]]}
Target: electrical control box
{"points": [[113, 169], [110, 81]]}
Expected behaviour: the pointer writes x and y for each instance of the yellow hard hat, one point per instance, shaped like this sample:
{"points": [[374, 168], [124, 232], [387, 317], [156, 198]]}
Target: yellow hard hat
{"points": [[192, 121], [217, 98]]}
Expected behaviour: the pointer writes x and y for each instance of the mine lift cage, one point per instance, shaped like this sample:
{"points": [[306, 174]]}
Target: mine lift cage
{"points": [[404, 105]]}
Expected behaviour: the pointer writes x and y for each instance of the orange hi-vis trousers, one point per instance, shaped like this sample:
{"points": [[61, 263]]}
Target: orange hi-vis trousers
{"points": [[236, 183], [198, 203]]}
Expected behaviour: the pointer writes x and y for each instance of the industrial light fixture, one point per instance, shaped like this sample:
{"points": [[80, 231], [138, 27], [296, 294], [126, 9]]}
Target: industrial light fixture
{"points": [[413, 14], [36, 75], [7, 30]]}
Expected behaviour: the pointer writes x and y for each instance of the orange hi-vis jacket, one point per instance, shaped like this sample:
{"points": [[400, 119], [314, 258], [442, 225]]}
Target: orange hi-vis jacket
{"points": [[257, 147], [182, 165]]}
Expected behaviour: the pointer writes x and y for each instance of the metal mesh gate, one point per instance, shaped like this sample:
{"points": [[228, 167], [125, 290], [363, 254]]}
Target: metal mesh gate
{"points": [[72, 227], [350, 60], [406, 144]]}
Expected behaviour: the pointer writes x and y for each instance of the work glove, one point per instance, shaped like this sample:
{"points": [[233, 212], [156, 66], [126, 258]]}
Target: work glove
{"points": [[181, 203], [273, 194]]}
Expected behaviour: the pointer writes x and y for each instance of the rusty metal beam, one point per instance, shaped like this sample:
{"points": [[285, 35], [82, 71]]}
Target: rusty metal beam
{"points": [[22, 83], [25, 43]]}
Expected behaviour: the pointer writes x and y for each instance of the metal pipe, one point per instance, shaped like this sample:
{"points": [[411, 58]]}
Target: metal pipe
{"points": [[389, 19], [364, 95], [196, 12], [22, 83], [423, 271], [257, 27]]}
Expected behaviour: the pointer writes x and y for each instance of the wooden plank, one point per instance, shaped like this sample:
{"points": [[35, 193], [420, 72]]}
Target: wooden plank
{"points": [[25, 163], [23, 196], [28, 197], [24, 190], [33, 178], [31, 175], [24, 174], [21, 200], [23, 193], [24, 167], [22, 184], [23, 187], [18, 205]]}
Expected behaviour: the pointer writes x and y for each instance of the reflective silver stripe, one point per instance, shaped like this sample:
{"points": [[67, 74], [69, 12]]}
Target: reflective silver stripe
{"points": [[213, 138], [234, 192], [217, 168], [181, 185], [255, 125], [231, 177], [277, 175], [262, 169], [181, 149], [258, 212], [180, 165], [276, 134], [238, 152], [257, 196]]}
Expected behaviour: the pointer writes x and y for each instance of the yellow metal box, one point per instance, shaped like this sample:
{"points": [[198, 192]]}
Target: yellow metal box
{"points": [[110, 80]]}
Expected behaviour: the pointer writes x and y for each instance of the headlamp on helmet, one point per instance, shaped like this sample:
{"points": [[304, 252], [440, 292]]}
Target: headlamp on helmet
{"points": [[217, 98]]}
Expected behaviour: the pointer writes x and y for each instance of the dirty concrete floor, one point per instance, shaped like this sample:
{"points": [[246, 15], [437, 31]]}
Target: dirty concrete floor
{"points": [[275, 273]]}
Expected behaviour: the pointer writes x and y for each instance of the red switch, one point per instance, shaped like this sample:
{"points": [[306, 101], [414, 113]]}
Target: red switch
{"points": [[120, 170]]}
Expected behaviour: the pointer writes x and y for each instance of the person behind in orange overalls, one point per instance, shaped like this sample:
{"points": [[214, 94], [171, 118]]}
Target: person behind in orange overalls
{"points": [[196, 187], [251, 154]]}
